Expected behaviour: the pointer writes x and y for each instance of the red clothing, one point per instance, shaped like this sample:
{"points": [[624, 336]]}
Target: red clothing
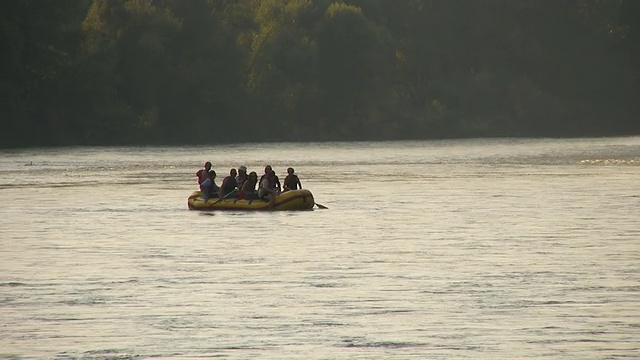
{"points": [[202, 175]]}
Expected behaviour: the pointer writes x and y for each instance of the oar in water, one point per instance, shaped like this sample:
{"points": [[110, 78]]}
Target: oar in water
{"points": [[321, 206]]}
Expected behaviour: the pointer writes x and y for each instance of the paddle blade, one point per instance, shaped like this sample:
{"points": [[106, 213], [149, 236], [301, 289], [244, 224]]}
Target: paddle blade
{"points": [[321, 206]]}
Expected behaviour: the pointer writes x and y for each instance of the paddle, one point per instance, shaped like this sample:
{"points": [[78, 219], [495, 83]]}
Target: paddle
{"points": [[321, 206], [224, 197]]}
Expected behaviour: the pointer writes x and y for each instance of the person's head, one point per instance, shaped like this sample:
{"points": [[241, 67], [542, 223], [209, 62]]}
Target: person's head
{"points": [[242, 170], [290, 171], [207, 166], [233, 172], [253, 175], [212, 174], [267, 169]]}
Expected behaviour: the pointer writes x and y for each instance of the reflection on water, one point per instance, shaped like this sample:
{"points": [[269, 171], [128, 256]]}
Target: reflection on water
{"points": [[480, 249]]}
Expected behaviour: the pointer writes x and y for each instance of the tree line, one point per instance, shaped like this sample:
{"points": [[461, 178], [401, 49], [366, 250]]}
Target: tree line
{"points": [[106, 72]]}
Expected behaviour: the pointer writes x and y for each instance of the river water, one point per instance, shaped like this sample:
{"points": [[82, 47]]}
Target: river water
{"points": [[469, 249]]}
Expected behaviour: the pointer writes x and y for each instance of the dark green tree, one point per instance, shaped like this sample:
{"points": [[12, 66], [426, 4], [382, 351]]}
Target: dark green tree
{"points": [[125, 67], [355, 63], [39, 42]]}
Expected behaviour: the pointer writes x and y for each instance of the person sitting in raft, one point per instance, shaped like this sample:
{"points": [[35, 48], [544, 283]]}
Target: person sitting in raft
{"points": [[203, 174], [291, 182], [276, 182], [208, 187], [228, 184], [242, 176], [267, 171], [266, 190], [248, 189]]}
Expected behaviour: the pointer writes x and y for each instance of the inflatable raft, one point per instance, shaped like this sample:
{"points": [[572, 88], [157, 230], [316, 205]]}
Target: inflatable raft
{"points": [[289, 200]]}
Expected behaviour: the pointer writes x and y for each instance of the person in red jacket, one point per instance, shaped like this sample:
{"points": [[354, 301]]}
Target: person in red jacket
{"points": [[203, 174]]}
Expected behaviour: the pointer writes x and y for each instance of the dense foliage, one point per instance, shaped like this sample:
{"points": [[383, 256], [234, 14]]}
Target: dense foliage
{"points": [[84, 72]]}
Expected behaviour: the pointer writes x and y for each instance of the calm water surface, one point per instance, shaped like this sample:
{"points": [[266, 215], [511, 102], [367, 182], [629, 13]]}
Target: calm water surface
{"points": [[474, 249]]}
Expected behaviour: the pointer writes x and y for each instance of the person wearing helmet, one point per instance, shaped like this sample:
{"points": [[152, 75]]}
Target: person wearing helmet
{"points": [[242, 176]]}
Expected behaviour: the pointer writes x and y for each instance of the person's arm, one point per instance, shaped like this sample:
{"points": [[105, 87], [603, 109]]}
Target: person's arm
{"points": [[223, 186], [263, 186], [299, 183]]}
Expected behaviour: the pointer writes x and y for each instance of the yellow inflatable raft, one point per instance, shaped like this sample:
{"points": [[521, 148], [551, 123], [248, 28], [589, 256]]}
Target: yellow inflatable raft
{"points": [[289, 200]]}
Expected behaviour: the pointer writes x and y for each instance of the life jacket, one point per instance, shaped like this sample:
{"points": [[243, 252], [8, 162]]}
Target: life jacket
{"points": [[202, 175], [228, 185], [240, 180], [290, 182]]}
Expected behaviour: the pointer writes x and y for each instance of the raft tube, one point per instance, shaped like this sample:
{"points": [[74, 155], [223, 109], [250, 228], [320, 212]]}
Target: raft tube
{"points": [[288, 200]]}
